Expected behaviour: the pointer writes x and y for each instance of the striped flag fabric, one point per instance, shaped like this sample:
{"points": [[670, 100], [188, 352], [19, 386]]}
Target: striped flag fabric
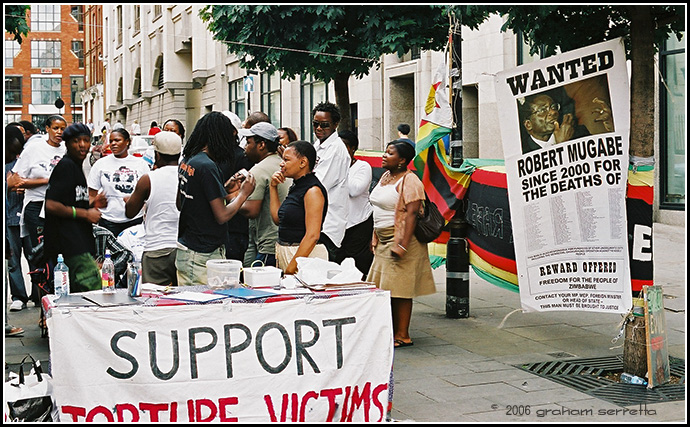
{"points": [[639, 209], [490, 231], [445, 185]]}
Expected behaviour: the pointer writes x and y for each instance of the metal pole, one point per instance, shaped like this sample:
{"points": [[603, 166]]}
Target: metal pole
{"points": [[457, 249]]}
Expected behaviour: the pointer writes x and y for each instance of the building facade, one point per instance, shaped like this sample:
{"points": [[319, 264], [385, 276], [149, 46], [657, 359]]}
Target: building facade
{"points": [[160, 62], [44, 75]]}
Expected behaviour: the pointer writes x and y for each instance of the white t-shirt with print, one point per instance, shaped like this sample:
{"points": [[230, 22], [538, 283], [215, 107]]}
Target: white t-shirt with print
{"points": [[37, 160], [117, 177]]}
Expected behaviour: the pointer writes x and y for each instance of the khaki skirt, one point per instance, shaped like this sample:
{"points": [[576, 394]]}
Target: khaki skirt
{"points": [[406, 277]]}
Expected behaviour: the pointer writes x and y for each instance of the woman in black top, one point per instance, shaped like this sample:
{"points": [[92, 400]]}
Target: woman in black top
{"points": [[70, 214], [300, 216]]}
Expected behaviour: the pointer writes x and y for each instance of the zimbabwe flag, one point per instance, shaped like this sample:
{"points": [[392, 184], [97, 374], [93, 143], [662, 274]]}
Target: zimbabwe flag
{"points": [[445, 186]]}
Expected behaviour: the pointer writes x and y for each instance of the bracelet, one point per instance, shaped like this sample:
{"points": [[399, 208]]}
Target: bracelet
{"points": [[402, 247], [74, 212]]}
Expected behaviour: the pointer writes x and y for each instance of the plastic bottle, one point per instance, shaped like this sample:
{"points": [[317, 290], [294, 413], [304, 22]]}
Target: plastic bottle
{"points": [[632, 379], [61, 277], [134, 279], [108, 273]]}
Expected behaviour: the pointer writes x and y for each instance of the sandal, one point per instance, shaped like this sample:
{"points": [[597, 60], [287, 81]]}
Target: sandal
{"points": [[401, 343]]}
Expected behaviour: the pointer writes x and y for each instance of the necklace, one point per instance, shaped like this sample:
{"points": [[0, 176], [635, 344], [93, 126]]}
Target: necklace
{"points": [[391, 177]]}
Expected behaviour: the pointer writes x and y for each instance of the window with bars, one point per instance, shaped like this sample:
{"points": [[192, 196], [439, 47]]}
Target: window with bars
{"points": [[45, 90], [157, 11], [45, 17], [12, 48], [13, 90], [270, 96], [46, 54], [237, 98], [313, 92], [78, 50]]}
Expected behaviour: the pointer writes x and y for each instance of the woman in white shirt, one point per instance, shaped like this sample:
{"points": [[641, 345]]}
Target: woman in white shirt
{"points": [[116, 175], [360, 221], [31, 174]]}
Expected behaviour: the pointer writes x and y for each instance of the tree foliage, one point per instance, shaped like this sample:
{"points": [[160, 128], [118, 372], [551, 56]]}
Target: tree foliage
{"points": [[643, 28], [572, 27], [15, 21], [325, 40]]}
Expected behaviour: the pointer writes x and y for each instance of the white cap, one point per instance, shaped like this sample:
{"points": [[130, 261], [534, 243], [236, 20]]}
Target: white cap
{"points": [[234, 118]]}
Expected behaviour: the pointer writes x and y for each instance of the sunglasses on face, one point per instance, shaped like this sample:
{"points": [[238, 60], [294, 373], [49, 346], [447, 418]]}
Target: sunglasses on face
{"points": [[322, 125]]}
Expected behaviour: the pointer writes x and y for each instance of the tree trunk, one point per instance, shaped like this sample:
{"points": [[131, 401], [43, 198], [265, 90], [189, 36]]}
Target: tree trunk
{"points": [[642, 93], [635, 349], [642, 96], [342, 100]]}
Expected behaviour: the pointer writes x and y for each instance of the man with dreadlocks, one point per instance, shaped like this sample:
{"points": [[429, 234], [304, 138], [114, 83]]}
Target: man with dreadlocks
{"points": [[203, 200]]}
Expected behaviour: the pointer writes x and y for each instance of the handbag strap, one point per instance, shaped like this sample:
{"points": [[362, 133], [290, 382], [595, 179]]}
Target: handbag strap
{"points": [[37, 370]]}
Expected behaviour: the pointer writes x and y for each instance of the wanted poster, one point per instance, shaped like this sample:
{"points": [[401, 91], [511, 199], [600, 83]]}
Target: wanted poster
{"points": [[565, 124]]}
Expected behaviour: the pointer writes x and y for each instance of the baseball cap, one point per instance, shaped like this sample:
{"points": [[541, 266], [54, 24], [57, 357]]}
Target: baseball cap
{"points": [[167, 143], [234, 118], [265, 130]]}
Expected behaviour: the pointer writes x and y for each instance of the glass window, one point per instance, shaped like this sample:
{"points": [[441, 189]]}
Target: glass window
{"points": [[45, 90], [13, 90], [77, 86], [237, 98], [45, 54], [11, 117], [523, 56], [313, 93], [119, 25], [78, 50], [78, 14], [270, 96], [39, 120], [45, 17], [157, 11], [12, 48], [137, 19], [673, 124]]}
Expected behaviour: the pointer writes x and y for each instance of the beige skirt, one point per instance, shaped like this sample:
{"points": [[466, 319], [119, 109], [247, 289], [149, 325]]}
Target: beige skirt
{"points": [[285, 253], [406, 277]]}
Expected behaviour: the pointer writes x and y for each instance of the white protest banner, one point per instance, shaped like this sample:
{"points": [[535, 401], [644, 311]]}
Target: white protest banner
{"points": [[565, 125], [299, 360]]}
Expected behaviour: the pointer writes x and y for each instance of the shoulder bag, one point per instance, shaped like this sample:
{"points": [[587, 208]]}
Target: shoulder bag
{"points": [[430, 223]]}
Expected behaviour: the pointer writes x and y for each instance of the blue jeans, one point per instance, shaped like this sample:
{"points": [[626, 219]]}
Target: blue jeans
{"points": [[14, 265], [34, 226]]}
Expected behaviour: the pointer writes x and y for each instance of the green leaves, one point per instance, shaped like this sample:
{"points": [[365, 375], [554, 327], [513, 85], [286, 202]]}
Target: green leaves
{"points": [[337, 39], [15, 21]]}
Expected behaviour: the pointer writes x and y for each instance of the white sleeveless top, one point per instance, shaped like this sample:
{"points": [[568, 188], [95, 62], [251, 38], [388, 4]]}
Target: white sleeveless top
{"points": [[162, 217], [384, 199]]}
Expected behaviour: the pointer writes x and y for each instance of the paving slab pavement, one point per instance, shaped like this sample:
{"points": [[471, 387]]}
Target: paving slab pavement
{"points": [[464, 370]]}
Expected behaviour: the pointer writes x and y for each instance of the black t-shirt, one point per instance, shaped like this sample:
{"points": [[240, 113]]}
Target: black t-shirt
{"points": [[200, 181], [291, 215], [68, 236], [238, 224]]}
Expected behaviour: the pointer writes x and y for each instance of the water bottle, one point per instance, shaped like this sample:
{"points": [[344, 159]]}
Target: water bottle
{"points": [[134, 279], [632, 379], [108, 273], [61, 277]]}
